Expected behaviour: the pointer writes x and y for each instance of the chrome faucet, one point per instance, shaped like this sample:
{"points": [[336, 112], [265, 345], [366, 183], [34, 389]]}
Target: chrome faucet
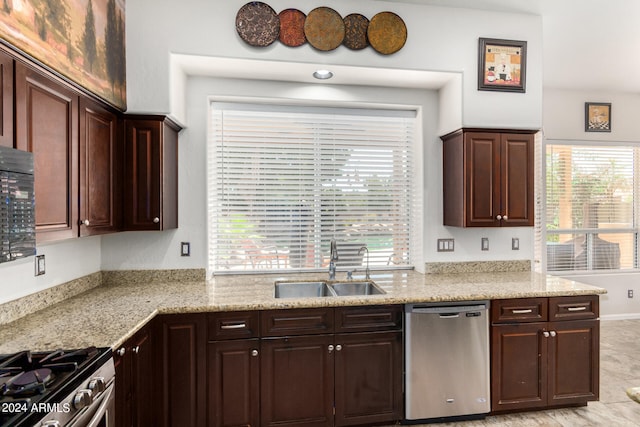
{"points": [[365, 249], [333, 259]]}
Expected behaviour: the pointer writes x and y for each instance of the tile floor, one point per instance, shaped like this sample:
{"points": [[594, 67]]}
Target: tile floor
{"points": [[619, 370]]}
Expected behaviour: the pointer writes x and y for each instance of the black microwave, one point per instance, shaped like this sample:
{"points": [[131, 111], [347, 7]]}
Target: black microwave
{"points": [[17, 205]]}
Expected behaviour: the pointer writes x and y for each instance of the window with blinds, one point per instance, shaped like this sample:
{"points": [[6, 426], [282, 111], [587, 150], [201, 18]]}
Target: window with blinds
{"points": [[591, 207], [284, 182]]}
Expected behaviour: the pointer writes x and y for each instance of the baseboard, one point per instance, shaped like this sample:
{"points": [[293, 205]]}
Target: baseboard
{"points": [[623, 316]]}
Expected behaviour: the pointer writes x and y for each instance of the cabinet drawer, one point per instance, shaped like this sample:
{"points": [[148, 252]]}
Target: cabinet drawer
{"points": [[233, 325], [519, 310], [368, 318], [573, 308], [302, 321]]}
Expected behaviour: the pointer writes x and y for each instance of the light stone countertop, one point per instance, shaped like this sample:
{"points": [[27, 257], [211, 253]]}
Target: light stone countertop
{"points": [[107, 315]]}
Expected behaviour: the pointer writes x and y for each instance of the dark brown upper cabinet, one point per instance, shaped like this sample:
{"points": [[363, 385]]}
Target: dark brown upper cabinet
{"points": [[151, 173], [6, 100], [46, 116], [488, 178], [100, 169]]}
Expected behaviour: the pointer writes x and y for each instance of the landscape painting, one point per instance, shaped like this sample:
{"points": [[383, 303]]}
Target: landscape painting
{"points": [[83, 40]]}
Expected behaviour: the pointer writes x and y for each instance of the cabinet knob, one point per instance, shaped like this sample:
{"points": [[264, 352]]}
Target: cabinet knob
{"points": [[546, 334], [156, 220], [338, 347], [505, 217], [330, 348], [84, 222], [553, 333], [121, 351], [499, 217], [136, 349], [254, 352]]}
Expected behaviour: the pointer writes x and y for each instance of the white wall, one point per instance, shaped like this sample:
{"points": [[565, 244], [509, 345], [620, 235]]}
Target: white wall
{"points": [[439, 39], [64, 261], [564, 120]]}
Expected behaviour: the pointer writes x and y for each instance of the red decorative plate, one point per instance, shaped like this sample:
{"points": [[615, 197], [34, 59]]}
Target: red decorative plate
{"points": [[292, 27]]}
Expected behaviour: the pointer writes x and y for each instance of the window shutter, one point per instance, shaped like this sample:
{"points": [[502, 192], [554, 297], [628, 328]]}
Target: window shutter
{"points": [[284, 182]]}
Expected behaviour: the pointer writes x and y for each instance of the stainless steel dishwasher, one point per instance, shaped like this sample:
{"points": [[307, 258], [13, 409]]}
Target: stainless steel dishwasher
{"points": [[447, 360]]}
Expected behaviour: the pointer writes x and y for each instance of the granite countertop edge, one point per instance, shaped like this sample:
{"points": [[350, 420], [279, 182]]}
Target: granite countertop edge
{"points": [[108, 315]]}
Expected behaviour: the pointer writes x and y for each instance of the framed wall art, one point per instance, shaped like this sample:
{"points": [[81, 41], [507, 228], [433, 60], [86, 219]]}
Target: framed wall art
{"points": [[81, 40], [597, 117], [502, 65]]}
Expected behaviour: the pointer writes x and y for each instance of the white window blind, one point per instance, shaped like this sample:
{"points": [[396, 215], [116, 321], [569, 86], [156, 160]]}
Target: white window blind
{"points": [[591, 207], [284, 182]]}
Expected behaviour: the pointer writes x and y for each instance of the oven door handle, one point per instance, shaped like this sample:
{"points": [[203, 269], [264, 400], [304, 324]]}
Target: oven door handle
{"points": [[106, 399]]}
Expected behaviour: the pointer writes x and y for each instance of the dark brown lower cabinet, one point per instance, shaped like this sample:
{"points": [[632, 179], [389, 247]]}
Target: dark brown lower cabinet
{"points": [[546, 364], [368, 378], [135, 388], [182, 361], [234, 383]]}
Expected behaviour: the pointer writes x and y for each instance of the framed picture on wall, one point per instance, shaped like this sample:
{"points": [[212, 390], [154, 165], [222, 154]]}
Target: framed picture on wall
{"points": [[597, 117], [502, 65]]}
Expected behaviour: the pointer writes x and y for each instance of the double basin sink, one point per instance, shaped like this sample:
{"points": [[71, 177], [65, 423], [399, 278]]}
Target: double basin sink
{"points": [[303, 289]]}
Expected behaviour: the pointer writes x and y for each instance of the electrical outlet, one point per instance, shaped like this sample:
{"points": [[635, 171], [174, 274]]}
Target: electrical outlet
{"points": [[515, 244], [445, 245], [484, 245], [40, 267], [630, 293], [185, 249]]}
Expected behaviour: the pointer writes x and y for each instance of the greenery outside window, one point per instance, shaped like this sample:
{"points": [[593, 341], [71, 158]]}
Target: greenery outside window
{"points": [[591, 207]]}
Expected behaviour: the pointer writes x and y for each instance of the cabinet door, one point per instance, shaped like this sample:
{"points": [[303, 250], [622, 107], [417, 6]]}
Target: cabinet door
{"points": [[151, 175], [47, 125], [518, 366], [143, 375], [123, 390], [100, 170], [368, 378], [234, 383], [517, 180], [482, 163], [6, 100], [573, 375], [183, 370], [297, 381]]}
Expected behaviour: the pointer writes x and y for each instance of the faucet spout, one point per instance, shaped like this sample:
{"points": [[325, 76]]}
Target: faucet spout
{"points": [[365, 249], [333, 259]]}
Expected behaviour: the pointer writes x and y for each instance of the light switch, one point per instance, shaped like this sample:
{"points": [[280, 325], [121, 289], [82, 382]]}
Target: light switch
{"points": [[185, 249], [40, 266], [515, 244]]}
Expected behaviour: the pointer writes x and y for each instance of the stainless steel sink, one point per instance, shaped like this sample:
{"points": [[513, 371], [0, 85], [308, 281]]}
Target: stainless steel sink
{"points": [[351, 288], [303, 290]]}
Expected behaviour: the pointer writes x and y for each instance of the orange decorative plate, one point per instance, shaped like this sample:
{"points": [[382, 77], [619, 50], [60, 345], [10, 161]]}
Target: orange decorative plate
{"points": [[356, 26], [292, 27], [257, 24], [324, 28], [387, 33]]}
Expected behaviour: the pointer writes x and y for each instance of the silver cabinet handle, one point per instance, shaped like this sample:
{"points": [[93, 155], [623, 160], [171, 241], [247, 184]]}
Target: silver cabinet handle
{"points": [[499, 217], [576, 308], [338, 347], [254, 352], [553, 333], [121, 351], [546, 334], [156, 220], [136, 349], [523, 311], [85, 222], [505, 217], [234, 326], [330, 348]]}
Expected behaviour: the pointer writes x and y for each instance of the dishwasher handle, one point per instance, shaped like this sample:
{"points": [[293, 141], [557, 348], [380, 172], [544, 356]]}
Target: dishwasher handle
{"points": [[446, 310]]}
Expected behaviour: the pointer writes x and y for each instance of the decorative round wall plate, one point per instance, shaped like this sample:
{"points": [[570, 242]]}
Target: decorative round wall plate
{"points": [[257, 24], [355, 36], [292, 27], [387, 33], [324, 28]]}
